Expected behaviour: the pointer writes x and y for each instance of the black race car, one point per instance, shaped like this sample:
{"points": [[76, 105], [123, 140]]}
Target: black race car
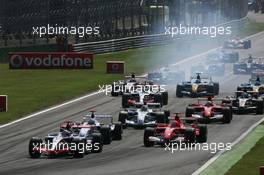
{"points": [[245, 102]]}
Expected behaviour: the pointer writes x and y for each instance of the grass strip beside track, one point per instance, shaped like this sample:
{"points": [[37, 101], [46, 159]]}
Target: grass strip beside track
{"points": [[251, 154]]}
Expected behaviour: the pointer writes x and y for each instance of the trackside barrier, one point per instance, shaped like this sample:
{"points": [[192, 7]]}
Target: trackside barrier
{"points": [[145, 40]]}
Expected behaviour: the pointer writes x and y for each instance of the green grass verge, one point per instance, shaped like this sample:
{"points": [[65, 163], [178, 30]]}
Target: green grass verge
{"points": [[32, 90], [249, 164], [230, 158]]}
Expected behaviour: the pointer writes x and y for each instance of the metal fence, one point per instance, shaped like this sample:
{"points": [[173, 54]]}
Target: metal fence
{"points": [[145, 41]]}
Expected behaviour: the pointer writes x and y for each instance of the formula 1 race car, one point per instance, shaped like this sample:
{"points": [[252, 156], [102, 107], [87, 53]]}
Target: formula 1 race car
{"points": [[143, 115], [211, 69], [237, 43], [65, 143], [255, 84], [129, 99], [197, 87], [178, 130], [248, 65], [246, 102], [223, 56], [209, 111], [103, 123], [166, 75], [122, 86]]}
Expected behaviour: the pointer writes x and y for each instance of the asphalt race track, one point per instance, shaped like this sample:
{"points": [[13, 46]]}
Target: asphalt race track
{"points": [[128, 156]]}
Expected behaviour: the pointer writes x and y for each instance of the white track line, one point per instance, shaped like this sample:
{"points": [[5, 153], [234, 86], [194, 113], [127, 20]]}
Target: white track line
{"points": [[214, 158], [96, 93], [50, 109]]}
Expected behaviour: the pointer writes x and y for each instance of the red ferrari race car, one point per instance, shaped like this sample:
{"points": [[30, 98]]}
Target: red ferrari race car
{"points": [[210, 111], [178, 130]]}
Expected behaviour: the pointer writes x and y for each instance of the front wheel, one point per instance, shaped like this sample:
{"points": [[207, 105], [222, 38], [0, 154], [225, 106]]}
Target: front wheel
{"points": [[34, 144], [148, 133]]}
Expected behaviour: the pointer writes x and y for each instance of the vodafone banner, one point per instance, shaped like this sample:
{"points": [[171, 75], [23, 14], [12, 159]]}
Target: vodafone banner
{"points": [[50, 60]]}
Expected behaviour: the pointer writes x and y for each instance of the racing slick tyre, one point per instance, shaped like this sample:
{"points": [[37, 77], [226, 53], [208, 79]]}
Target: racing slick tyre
{"points": [[117, 132], [247, 44], [227, 115], [202, 137], [34, 142], [158, 99], [147, 133], [113, 92], [167, 113], [122, 118], [216, 88], [97, 143], [106, 134], [161, 117], [189, 112], [165, 98], [210, 90], [260, 106], [125, 98], [189, 135], [179, 91], [79, 148]]}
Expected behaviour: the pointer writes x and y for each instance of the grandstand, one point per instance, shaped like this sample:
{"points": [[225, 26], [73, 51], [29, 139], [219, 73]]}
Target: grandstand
{"points": [[116, 18]]}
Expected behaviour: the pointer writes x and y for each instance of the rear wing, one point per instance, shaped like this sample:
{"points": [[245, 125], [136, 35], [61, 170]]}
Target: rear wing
{"points": [[253, 93], [101, 118], [212, 99], [128, 77]]}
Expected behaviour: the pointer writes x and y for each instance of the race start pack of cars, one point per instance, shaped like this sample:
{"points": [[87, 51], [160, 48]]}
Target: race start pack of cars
{"points": [[142, 107]]}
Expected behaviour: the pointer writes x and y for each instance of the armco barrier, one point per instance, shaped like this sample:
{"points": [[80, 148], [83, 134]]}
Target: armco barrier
{"points": [[144, 41]]}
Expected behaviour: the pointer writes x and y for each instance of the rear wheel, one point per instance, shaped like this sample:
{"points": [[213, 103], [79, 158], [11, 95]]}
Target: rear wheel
{"points": [[179, 91], [190, 135], [202, 137], [216, 88], [33, 144], [125, 98], [148, 133], [97, 143], [106, 133], [113, 91], [165, 98], [122, 118], [227, 115], [158, 99], [117, 133], [161, 117], [260, 106], [189, 111], [79, 150]]}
